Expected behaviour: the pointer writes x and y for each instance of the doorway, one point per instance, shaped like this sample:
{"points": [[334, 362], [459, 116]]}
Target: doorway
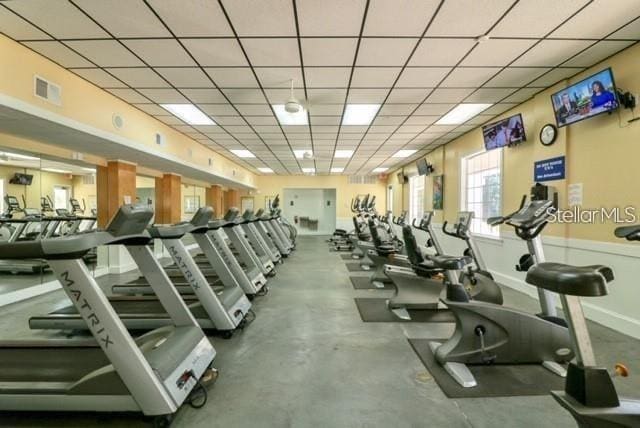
{"points": [[61, 196], [313, 211]]}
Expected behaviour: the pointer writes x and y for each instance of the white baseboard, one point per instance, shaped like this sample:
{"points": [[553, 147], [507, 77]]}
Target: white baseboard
{"points": [[607, 318]]}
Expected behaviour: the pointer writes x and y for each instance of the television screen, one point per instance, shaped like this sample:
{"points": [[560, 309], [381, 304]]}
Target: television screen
{"points": [[23, 179], [423, 167], [504, 132], [587, 98]]}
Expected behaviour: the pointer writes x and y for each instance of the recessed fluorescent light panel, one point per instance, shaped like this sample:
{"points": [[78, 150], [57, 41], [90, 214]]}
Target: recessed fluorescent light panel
{"points": [[403, 153], [189, 113], [337, 169], [461, 113], [308, 170], [17, 156], [380, 169], [265, 170], [243, 153], [59, 171], [303, 154], [343, 154], [360, 114], [286, 118], [89, 170]]}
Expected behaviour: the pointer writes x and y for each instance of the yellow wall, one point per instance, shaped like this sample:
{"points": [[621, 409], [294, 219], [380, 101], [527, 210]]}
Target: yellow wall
{"points": [[41, 185], [191, 190], [88, 104], [269, 185], [601, 153], [85, 192]]}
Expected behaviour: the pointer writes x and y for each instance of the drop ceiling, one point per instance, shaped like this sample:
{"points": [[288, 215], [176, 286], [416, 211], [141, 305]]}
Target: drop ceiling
{"points": [[234, 59]]}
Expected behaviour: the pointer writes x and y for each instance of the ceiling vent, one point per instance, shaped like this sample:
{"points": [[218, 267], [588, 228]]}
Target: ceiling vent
{"points": [[46, 90], [363, 179]]}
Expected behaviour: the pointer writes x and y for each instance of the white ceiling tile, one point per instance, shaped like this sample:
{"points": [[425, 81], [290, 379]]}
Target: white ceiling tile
{"points": [[374, 77], [152, 109], [327, 77], [325, 120], [468, 77], [441, 52], [377, 52], [139, 77], [128, 95], [630, 31], [422, 77], [217, 109], [516, 77], [17, 28], [551, 52], [204, 95], [498, 109], [367, 96], [599, 19], [254, 109], [59, 18], [330, 17], [181, 19], [232, 77], [262, 120], [105, 53], [186, 77], [328, 51], [170, 120], [261, 18], [467, 17], [489, 95], [421, 120], [272, 52], [59, 53], [280, 96], [159, 53], [325, 96], [448, 95], [388, 120], [479, 119], [137, 21], [216, 52], [99, 77], [399, 17], [326, 109], [407, 96], [536, 18], [496, 53], [434, 109], [522, 95], [162, 96], [597, 53], [397, 109], [245, 96], [279, 77], [555, 76]]}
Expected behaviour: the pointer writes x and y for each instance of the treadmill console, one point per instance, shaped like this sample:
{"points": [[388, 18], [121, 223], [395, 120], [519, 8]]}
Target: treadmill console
{"points": [[231, 214], [130, 220], [202, 216]]}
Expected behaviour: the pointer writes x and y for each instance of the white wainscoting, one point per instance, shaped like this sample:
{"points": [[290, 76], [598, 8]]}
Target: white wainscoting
{"points": [[620, 310]]}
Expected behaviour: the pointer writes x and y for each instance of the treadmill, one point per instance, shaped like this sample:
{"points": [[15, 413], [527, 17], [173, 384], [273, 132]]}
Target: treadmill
{"points": [[111, 372], [255, 234], [18, 230], [269, 234], [238, 238], [222, 310]]}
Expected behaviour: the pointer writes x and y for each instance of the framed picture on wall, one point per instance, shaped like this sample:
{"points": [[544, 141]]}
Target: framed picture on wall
{"points": [[191, 204], [246, 203], [438, 192]]}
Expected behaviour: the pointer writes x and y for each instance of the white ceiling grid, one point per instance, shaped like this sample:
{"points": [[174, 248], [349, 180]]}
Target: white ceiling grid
{"points": [[235, 58]]}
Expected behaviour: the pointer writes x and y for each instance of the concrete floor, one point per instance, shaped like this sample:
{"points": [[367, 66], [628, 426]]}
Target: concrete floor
{"points": [[309, 361]]}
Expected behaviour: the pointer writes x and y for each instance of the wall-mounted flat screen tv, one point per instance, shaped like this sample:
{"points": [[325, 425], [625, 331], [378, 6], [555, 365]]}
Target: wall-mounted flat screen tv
{"points": [[423, 167], [587, 98], [503, 133], [22, 179]]}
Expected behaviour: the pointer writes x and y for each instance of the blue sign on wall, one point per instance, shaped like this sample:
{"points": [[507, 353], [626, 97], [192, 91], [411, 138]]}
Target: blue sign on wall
{"points": [[549, 169]]}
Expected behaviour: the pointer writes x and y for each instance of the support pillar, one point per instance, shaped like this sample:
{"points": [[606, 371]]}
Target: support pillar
{"points": [[168, 199], [116, 185], [214, 199], [233, 199]]}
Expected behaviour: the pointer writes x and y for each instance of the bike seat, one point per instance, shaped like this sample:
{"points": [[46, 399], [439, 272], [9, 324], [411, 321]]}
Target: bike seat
{"points": [[587, 281], [449, 262], [631, 233], [386, 249]]}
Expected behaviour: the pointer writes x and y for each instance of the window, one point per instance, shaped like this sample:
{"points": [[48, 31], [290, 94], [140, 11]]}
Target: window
{"points": [[482, 189], [416, 197], [390, 198]]}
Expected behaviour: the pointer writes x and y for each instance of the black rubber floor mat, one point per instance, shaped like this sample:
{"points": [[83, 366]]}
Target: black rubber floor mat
{"points": [[355, 267], [364, 283], [493, 380], [374, 309], [347, 257]]}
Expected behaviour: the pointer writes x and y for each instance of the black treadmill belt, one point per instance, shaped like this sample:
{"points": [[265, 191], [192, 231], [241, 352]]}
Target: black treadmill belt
{"points": [[504, 380]]}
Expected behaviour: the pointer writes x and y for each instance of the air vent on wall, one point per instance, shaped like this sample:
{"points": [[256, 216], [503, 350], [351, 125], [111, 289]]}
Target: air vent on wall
{"points": [[159, 139], [363, 179], [47, 91], [117, 120], [89, 179]]}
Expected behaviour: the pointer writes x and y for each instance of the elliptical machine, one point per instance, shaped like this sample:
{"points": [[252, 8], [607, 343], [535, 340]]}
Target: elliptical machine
{"points": [[488, 333], [589, 393]]}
